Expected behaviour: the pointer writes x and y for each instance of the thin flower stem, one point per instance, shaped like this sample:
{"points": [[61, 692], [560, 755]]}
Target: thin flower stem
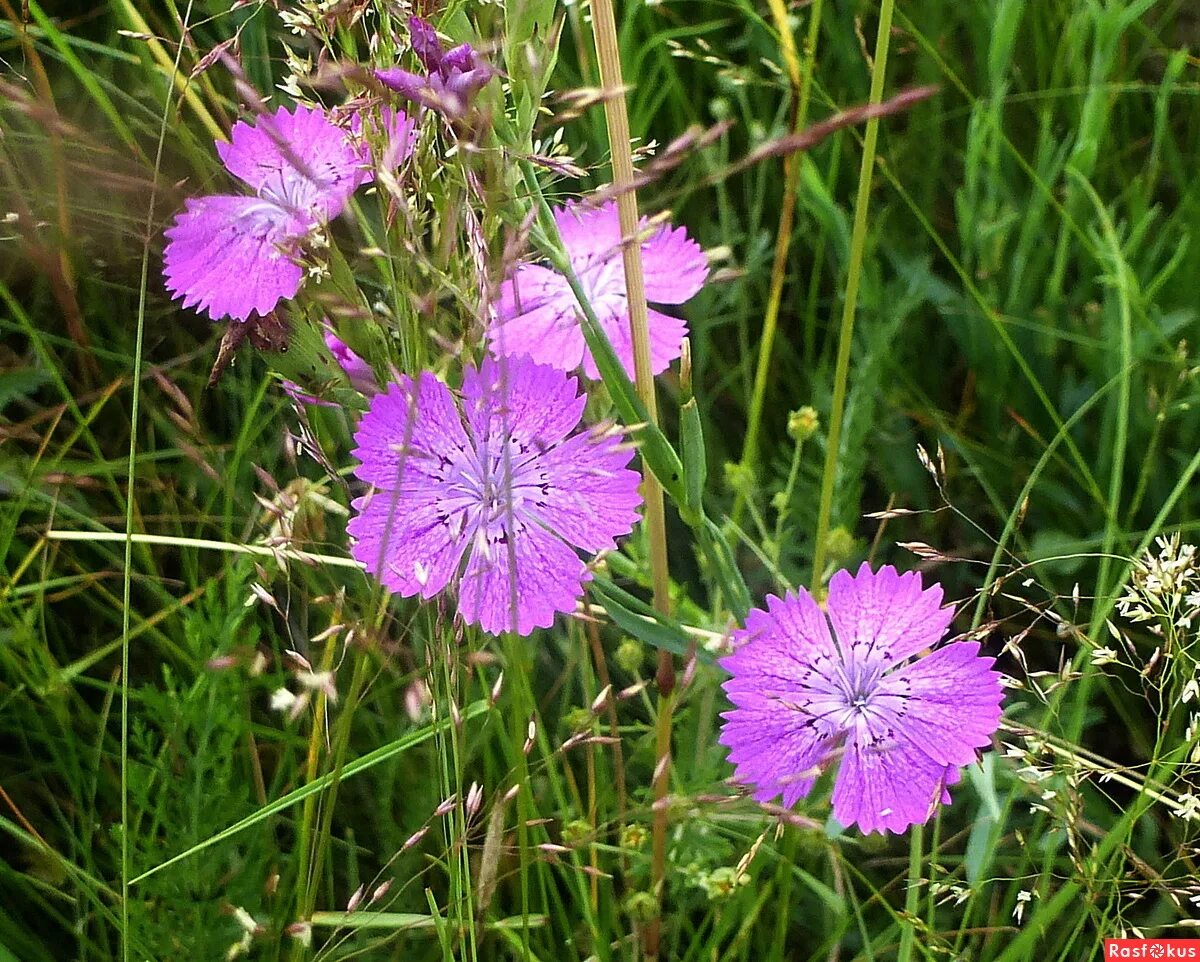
{"points": [[916, 840], [801, 84], [324, 834], [786, 502], [609, 56], [306, 879], [131, 472], [858, 242]]}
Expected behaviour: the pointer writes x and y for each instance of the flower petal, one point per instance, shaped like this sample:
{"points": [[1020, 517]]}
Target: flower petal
{"points": [[590, 234], [536, 315], [673, 265], [407, 542], [666, 342], [947, 703], [520, 581], [533, 406], [786, 645], [298, 158], [404, 82], [588, 495], [408, 433], [358, 371], [777, 752], [225, 256], [885, 615], [888, 786]]}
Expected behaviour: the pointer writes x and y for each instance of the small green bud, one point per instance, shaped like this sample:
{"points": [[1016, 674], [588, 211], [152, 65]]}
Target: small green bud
{"points": [[578, 720], [641, 906], [679, 808], [576, 832], [722, 882], [779, 501], [634, 836], [839, 545], [739, 478], [803, 424], [719, 108], [631, 655]]}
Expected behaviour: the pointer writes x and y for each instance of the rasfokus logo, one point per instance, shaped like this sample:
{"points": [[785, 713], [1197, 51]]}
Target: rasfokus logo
{"points": [[1153, 950]]}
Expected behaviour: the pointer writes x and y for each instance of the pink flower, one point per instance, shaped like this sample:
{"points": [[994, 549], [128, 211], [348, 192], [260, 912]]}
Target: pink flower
{"points": [[358, 372], [810, 685], [237, 255], [537, 314], [362, 378], [451, 78], [493, 499]]}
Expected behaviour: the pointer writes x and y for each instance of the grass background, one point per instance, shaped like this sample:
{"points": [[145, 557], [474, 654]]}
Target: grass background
{"points": [[1026, 304]]}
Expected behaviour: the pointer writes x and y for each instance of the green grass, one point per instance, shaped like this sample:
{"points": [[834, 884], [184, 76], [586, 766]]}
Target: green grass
{"points": [[1025, 312]]}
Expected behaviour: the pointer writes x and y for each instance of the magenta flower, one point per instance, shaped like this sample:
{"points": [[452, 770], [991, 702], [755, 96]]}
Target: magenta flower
{"points": [[537, 314], [358, 371], [238, 255], [809, 685], [451, 78], [493, 497]]}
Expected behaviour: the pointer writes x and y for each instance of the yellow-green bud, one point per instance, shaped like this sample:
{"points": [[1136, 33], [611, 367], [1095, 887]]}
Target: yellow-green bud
{"points": [[803, 424], [739, 477], [634, 836], [578, 720], [631, 655], [839, 545], [576, 831], [641, 906], [722, 882]]}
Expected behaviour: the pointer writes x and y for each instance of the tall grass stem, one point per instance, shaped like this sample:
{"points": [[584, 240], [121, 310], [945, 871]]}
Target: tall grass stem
{"points": [[800, 81], [131, 475], [858, 242]]}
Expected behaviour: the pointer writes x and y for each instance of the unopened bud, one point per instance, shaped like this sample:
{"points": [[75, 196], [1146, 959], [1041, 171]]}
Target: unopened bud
{"points": [[803, 424], [415, 838], [474, 800]]}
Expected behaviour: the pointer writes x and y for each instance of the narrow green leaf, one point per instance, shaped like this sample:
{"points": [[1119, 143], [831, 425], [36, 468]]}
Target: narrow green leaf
{"points": [[356, 767]]}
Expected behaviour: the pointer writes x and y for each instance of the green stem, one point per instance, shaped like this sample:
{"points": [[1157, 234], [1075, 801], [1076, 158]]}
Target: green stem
{"points": [[912, 895], [858, 239], [131, 471], [800, 88]]}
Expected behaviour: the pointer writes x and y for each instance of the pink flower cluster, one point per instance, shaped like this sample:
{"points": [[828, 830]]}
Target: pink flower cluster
{"points": [[492, 495]]}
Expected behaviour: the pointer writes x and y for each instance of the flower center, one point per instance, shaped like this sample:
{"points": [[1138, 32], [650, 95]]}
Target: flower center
{"points": [[604, 281]]}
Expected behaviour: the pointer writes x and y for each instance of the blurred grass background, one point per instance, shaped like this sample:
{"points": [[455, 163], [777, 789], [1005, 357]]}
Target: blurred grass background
{"points": [[1027, 304]]}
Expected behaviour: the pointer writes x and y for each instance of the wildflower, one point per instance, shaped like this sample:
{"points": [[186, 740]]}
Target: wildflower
{"points": [[641, 906], [357, 371], [1024, 897], [634, 836], [494, 498], [630, 656], [239, 255], [803, 423], [808, 685], [1164, 585], [537, 314], [721, 882], [451, 78]]}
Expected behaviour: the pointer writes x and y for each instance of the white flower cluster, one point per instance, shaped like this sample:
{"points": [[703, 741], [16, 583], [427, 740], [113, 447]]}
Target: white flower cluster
{"points": [[1164, 586]]}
